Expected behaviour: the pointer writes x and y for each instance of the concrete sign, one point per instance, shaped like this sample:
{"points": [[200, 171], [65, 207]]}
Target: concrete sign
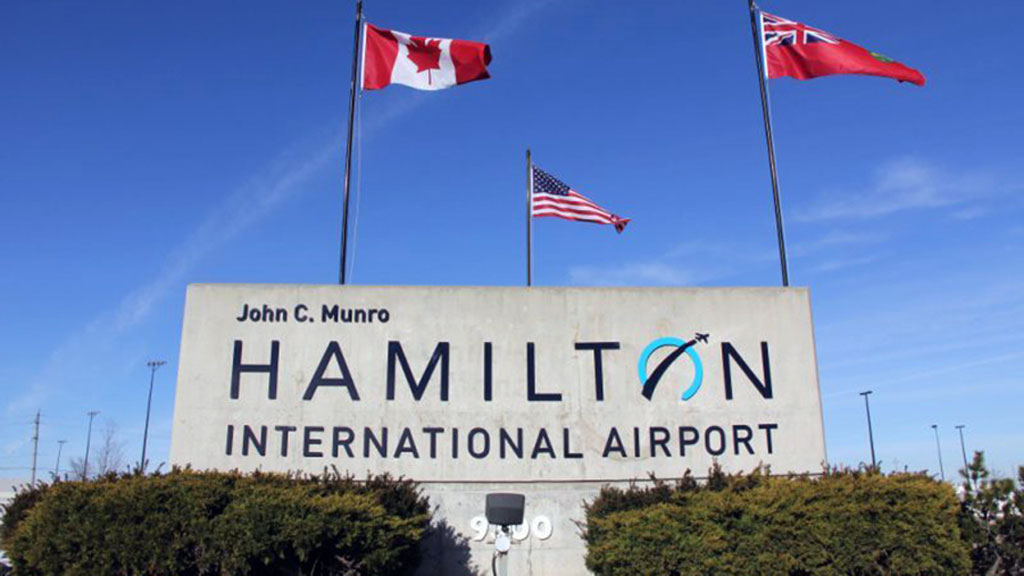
{"points": [[492, 386]]}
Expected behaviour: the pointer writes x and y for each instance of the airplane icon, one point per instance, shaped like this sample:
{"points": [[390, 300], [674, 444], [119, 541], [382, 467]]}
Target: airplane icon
{"points": [[702, 337]]}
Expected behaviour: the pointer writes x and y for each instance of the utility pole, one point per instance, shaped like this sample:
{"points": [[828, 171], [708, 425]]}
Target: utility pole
{"points": [[963, 450], [871, 433], [88, 443], [60, 448], [153, 365], [35, 449], [938, 447]]}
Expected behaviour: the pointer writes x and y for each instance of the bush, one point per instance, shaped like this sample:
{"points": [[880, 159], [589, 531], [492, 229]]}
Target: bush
{"points": [[992, 520], [16, 509], [845, 522], [194, 523]]}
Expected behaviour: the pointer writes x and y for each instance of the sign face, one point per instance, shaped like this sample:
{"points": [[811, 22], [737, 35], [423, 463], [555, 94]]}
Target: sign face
{"points": [[497, 384]]}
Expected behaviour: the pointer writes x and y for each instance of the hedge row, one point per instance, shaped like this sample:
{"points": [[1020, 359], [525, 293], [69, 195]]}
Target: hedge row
{"points": [[192, 523], [846, 522]]}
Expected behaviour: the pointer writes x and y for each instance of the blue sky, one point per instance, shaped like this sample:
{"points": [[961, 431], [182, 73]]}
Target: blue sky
{"points": [[147, 146]]}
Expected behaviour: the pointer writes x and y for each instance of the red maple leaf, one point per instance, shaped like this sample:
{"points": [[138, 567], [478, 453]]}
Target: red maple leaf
{"points": [[425, 54]]}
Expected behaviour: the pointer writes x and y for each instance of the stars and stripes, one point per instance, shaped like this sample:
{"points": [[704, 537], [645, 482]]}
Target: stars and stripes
{"points": [[552, 197]]}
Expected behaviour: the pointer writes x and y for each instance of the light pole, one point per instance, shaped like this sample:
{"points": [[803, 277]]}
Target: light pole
{"points": [[871, 433], [938, 447], [153, 365], [963, 450], [88, 443], [60, 448]]}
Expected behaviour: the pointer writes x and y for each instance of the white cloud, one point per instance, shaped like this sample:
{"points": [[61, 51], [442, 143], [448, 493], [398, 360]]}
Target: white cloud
{"points": [[510, 22], [690, 264], [918, 333], [239, 211], [836, 264], [286, 177], [971, 213], [834, 239], [637, 274], [899, 186], [832, 251]]}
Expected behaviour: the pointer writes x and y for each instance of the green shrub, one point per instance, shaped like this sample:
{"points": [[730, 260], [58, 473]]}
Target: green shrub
{"points": [[845, 522], [193, 523], [992, 520], [16, 509]]}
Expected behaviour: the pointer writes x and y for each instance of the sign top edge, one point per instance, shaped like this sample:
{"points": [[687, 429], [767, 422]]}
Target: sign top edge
{"points": [[498, 288]]}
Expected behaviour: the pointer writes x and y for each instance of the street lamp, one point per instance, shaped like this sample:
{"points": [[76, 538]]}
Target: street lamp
{"points": [[88, 442], [153, 365], [963, 450], [938, 447], [60, 448], [871, 433]]}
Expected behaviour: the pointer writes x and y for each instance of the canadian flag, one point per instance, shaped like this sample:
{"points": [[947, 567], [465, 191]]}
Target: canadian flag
{"points": [[419, 62]]}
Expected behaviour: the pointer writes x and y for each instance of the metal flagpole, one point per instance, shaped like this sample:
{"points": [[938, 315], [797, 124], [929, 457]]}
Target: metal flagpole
{"points": [[529, 219], [762, 74], [356, 50]]}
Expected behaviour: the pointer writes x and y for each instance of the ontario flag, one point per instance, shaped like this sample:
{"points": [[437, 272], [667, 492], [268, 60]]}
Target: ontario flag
{"points": [[393, 57], [797, 50]]}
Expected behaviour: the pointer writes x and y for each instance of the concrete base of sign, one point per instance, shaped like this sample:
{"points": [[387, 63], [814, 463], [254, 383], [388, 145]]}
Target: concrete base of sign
{"points": [[537, 548]]}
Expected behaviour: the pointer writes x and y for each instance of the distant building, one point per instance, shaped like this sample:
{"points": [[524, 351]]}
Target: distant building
{"points": [[7, 488]]}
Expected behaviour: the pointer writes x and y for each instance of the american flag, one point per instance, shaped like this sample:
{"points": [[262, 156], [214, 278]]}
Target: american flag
{"points": [[552, 197]]}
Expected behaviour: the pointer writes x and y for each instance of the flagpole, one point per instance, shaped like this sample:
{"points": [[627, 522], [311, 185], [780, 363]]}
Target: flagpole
{"points": [[766, 111], [529, 219], [353, 88]]}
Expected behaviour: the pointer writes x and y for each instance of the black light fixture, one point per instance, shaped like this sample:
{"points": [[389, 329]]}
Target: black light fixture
{"points": [[503, 510]]}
